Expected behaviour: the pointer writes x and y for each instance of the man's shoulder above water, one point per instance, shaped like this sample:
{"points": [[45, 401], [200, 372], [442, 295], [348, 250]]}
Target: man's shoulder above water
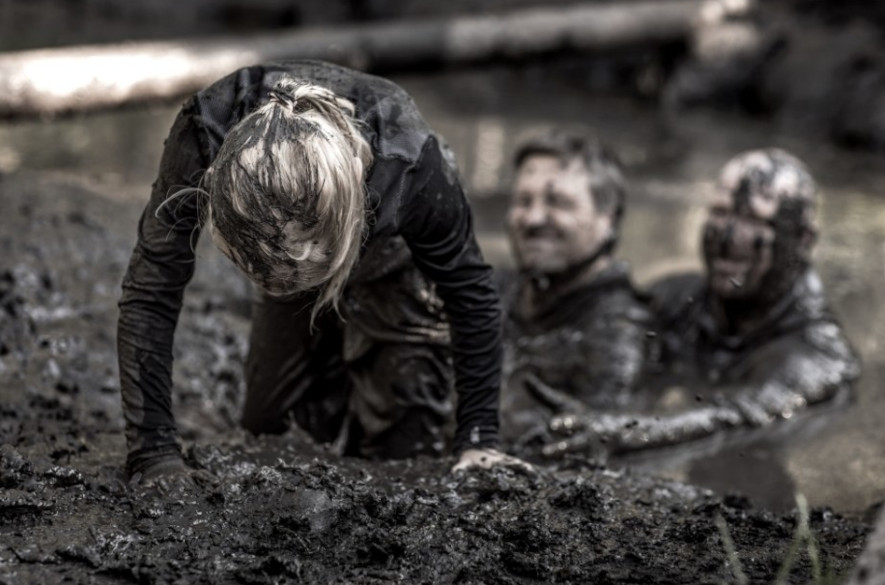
{"points": [[608, 296], [798, 325], [587, 346], [687, 296], [671, 296]]}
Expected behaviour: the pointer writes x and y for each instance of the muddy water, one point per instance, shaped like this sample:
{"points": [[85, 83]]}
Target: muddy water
{"points": [[834, 457]]}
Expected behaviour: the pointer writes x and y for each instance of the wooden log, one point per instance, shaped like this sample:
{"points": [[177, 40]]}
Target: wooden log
{"points": [[54, 81]]}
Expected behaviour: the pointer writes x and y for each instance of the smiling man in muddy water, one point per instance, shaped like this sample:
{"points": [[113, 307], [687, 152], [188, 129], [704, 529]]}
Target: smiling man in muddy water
{"points": [[575, 329], [751, 340]]}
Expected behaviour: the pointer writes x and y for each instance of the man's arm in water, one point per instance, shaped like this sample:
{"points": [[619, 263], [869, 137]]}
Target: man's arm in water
{"points": [[808, 367]]}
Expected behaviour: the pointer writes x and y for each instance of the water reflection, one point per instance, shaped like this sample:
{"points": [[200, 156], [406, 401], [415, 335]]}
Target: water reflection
{"points": [[836, 461]]}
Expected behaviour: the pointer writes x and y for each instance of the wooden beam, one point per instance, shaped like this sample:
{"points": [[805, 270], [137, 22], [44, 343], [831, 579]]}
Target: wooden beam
{"points": [[59, 80]]}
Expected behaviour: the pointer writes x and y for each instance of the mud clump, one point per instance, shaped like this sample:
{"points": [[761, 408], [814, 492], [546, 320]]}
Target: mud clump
{"points": [[317, 522], [280, 509]]}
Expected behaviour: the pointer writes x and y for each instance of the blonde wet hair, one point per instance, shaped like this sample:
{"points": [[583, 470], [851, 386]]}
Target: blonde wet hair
{"points": [[287, 198]]}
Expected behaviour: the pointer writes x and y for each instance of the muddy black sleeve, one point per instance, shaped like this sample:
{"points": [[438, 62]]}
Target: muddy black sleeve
{"points": [[801, 369], [436, 222], [806, 367], [161, 265], [633, 432]]}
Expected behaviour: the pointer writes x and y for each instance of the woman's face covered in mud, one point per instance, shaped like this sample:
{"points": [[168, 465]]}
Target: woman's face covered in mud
{"points": [[553, 222], [759, 233]]}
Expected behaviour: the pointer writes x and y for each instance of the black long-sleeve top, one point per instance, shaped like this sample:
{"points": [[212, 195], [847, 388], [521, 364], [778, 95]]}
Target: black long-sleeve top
{"points": [[413, 191]]}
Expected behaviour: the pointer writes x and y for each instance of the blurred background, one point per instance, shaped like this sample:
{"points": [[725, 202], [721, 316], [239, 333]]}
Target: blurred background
{"points": [[675, 92]]}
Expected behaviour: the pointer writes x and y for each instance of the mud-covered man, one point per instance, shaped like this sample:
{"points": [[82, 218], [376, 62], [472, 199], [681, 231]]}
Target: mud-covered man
{"points": [[751, 340], [575, 329]]}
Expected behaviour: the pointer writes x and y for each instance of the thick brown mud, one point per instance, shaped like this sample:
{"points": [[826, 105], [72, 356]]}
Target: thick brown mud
{"points": [[280, 509]]}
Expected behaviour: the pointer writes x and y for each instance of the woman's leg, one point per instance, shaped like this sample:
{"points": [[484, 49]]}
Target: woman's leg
{"points": [[401, 401], [293, 372], [398, 357]]}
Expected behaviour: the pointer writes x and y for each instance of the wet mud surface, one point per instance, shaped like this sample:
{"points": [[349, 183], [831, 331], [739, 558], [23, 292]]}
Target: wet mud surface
{"points": [[280, 509]]}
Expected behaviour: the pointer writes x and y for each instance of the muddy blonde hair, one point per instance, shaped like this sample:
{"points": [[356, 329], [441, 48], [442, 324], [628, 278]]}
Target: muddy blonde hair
{"points": [[287, 199]]}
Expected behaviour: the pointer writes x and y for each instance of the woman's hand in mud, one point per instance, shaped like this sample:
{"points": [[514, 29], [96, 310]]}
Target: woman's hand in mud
{"points": [[487, 458]]}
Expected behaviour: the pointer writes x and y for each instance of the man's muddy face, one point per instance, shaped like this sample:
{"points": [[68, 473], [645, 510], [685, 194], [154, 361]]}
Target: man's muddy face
{"points": [[739, 237], [553, 223]]}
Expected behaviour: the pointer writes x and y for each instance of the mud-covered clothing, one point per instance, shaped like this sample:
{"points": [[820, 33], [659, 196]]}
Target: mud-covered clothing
{"points": [[589, 344], [712, 381], [797, 354], [373, 387], [413, 192]]}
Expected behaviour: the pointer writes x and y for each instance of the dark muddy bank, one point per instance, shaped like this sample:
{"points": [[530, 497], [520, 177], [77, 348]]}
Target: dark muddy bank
{"points": [[282, 510]]}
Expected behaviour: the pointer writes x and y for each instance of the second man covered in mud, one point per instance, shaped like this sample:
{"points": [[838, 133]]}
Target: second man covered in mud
{"points": [[575, 328], [751, 340]]}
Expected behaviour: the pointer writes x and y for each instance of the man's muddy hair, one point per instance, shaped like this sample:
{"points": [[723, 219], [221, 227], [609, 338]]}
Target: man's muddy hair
{"points": [[607, 184], [287, 200], [779, 174]]}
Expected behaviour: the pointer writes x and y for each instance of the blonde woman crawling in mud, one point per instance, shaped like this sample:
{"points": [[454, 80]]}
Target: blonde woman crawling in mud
{"points": [[328, 189]]}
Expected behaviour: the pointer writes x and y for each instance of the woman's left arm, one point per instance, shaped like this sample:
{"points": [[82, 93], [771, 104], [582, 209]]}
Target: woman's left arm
{"points": [[437, 224]]}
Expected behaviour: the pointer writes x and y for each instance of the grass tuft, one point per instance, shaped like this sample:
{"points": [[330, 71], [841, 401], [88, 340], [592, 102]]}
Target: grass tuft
{"points": [[802, 535]]}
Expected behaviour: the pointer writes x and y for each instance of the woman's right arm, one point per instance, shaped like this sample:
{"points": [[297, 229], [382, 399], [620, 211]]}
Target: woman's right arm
{"points": [[162, 263]]}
